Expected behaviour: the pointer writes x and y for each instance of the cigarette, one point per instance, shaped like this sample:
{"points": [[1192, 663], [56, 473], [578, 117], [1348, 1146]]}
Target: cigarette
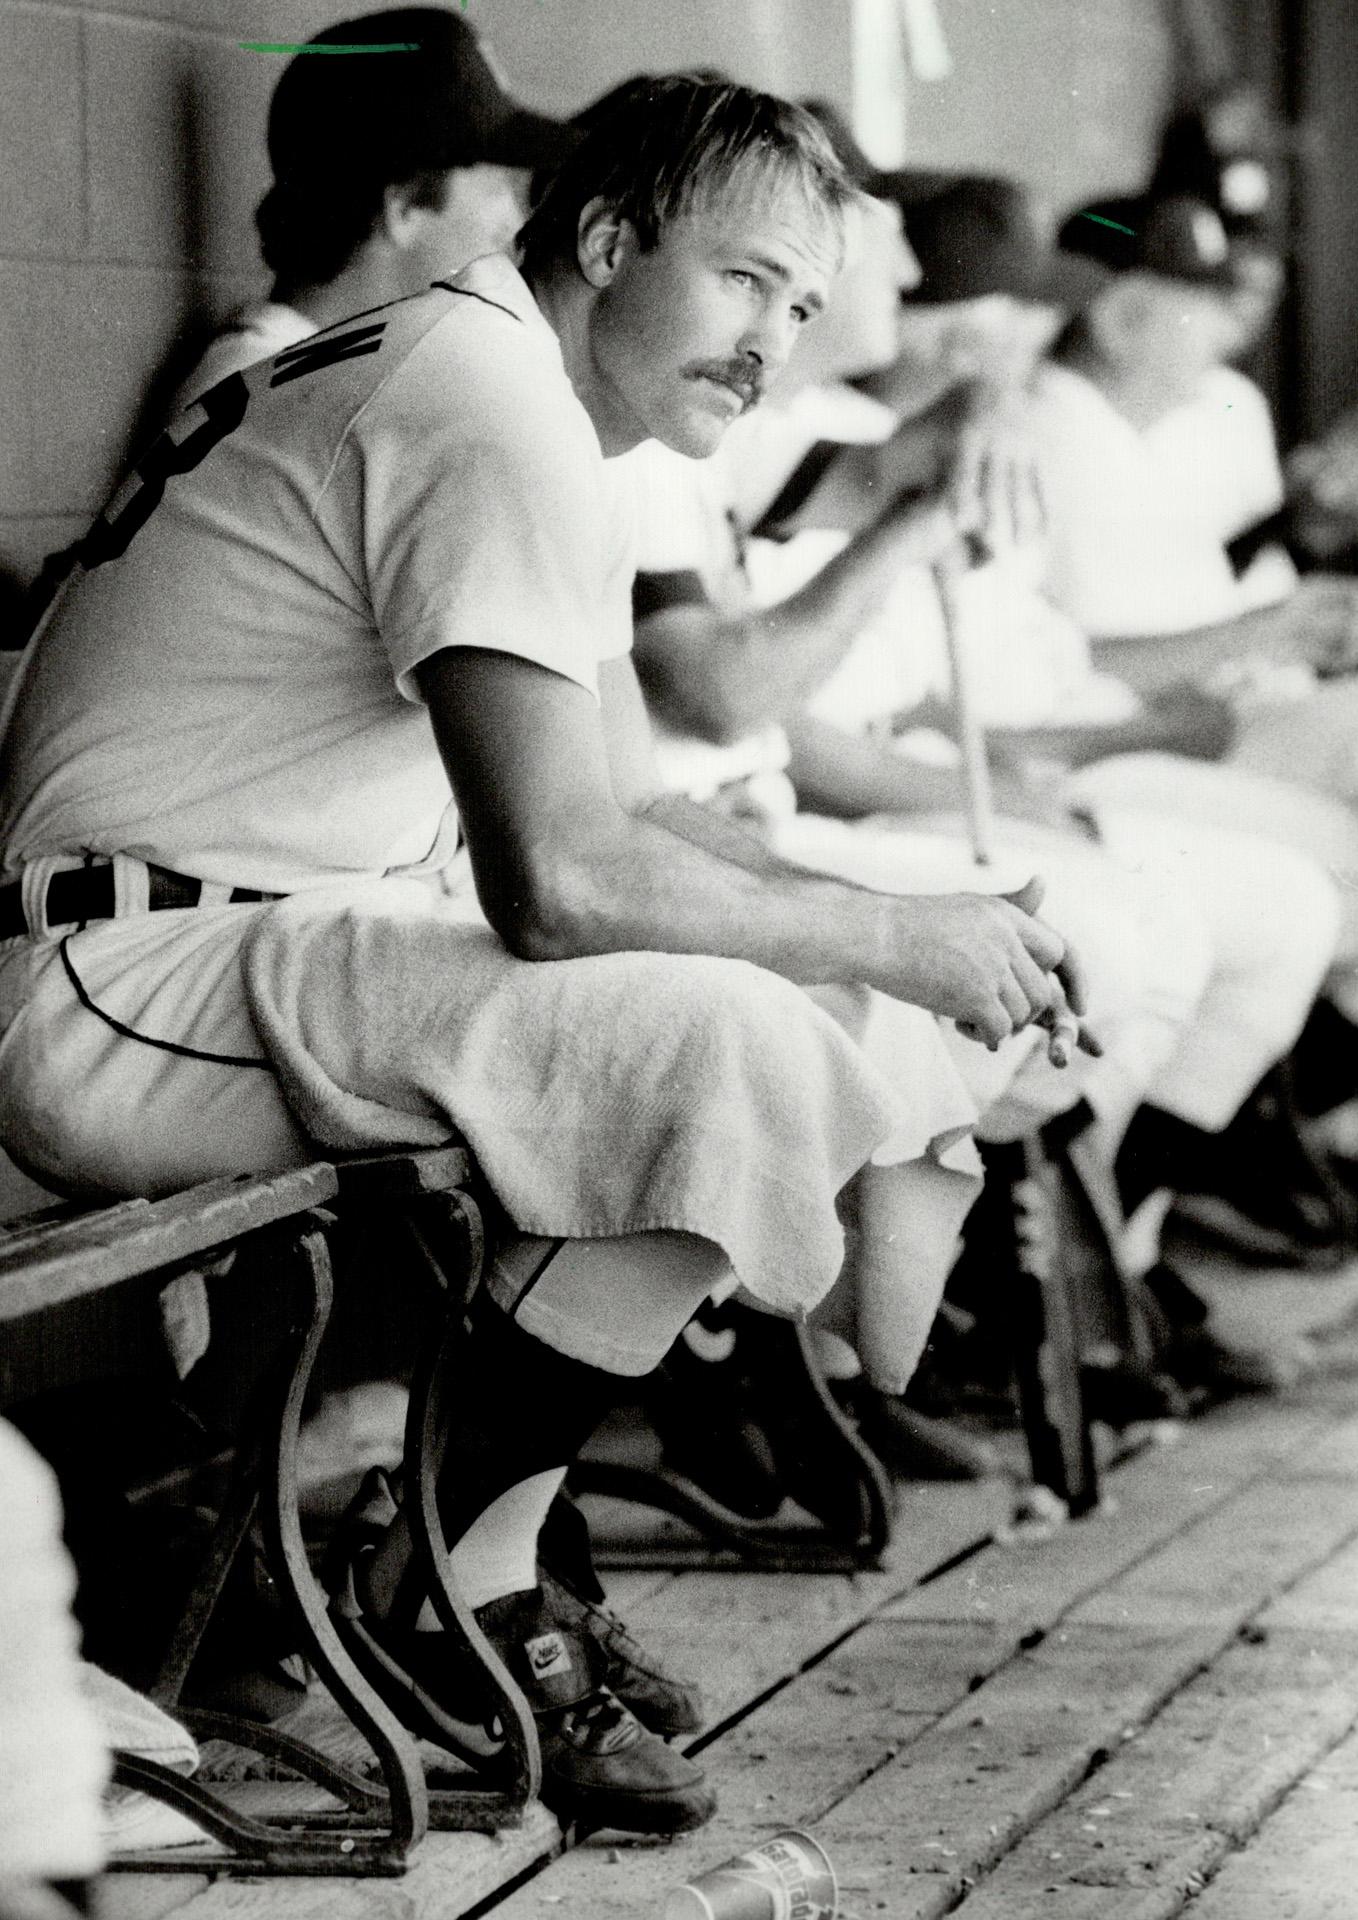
{"points": [[1063, 1039]]}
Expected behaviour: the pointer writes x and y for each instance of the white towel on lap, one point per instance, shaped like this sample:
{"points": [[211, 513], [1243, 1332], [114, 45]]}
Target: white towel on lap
{"points": [[622, 1094]]}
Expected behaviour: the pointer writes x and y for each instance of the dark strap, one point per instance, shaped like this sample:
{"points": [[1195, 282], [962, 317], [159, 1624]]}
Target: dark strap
{"points": [[797, 490], [1273, 531], [654, 593], [87, 893]]}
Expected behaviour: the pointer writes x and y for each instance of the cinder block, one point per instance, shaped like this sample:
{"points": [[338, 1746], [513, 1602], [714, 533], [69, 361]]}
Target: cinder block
{"points": [[238, 19], [144, 167], [231, 111], [42, 208], [177, 159], [82, 346]]}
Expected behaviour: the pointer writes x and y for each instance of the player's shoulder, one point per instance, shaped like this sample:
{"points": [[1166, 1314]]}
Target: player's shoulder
{"points": [[485, 315], [479, 339], [1228, 390], [1069, 421], [471, 333]]}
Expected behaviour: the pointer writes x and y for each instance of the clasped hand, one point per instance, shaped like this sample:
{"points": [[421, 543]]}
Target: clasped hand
{"points": [[988, 963]]}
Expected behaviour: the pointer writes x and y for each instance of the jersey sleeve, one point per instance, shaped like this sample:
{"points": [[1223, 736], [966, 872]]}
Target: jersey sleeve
{"points": [[617, 625], [485, 518]]}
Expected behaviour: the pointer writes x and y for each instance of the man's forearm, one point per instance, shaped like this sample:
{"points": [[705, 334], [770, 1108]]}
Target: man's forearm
{"points": [[1150, 661], [1081, 746], [813, 629], [723, 677], [674, 879], [847, 776], [715, 832]]}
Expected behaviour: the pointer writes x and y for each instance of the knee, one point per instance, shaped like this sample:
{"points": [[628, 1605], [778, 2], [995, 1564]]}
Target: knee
{"points": [[1304, 910]]}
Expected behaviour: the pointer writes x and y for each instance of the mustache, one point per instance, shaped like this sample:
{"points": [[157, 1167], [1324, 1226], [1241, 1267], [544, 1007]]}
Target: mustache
{"points": [[745, 381]]}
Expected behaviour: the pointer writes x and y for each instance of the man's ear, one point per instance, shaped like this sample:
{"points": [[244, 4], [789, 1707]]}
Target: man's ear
{"points": [[1116, 313], [603, 241], [401, 219]]}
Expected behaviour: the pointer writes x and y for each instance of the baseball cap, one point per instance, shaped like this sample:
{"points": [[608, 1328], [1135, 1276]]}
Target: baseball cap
{"points": [[978, 236], [1228, 148], [1177, 237], [437, 102]]}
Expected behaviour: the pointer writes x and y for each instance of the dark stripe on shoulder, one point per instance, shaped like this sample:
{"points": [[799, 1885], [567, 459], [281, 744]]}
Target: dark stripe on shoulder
{"points": [[467, 294], [654, 593], [797, 490]]}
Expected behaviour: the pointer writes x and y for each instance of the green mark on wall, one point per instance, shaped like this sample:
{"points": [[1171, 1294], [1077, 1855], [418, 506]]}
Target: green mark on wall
{"points": [[1116, 225]]}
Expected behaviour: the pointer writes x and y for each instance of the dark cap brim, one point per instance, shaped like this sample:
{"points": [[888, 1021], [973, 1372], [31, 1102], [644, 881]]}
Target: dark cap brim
{"points": [[526, 139], [1069, 280]]}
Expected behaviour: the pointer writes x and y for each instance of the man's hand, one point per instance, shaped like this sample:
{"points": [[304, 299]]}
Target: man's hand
{"points": [[986, 961], [1020, 795], [1196, 723], [992, 484], [1318, 624], [985, 497]]}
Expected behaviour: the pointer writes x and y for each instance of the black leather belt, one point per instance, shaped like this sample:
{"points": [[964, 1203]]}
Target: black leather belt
{"points": [[86, 893]]}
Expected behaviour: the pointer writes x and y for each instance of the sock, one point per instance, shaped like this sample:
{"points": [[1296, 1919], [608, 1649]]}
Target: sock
{"points": [[522, 1412], [498, 1554], [1159, 1150], [1325, 1060]]}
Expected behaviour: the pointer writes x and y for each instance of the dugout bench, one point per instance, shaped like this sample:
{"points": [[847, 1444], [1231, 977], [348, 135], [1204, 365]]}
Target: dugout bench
{"points": [[286, 1222], [431, 1200]]}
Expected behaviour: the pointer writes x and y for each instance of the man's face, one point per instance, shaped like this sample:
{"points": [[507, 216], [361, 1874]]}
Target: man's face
{"points": [[1170, 333], [686, 337], [482, 210], [861, 331], [997, 338], [1258, 292]]}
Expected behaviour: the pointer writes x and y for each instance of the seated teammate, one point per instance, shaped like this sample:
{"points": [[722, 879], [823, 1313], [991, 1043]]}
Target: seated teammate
{"points": [[388, 568], [738, 672], [388, 170], [1175, 746], [1143, 505]]}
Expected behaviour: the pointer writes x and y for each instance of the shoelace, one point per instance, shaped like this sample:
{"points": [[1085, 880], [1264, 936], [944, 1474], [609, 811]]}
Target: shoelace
{"points": [[598, 1725]]}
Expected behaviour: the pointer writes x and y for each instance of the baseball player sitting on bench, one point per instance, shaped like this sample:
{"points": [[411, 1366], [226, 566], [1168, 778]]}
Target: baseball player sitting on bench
{"points": [[388, 569]]}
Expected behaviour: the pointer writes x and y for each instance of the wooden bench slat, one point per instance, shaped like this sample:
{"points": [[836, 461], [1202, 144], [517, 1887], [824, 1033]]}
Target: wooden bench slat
{"points": [[42, 1267], [400, 1173], [71, 1227]]}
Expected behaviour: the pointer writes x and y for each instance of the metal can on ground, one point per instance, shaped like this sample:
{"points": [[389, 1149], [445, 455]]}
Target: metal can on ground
{"points": [[787, 1877]]}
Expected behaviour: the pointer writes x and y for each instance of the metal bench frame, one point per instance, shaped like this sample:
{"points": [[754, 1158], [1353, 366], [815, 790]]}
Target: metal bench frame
{"points": [[427, 1196]]}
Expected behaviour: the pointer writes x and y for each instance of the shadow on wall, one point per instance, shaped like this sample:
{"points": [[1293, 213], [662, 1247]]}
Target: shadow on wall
{"points": [[15, 619], [201, 318], [148, 401]]}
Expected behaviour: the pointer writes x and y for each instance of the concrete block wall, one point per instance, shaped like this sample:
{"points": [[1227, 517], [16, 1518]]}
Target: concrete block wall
{"points": [[131, 148], [1068, 96]]}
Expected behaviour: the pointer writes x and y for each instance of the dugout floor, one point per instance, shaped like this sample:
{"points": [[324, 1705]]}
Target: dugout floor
{"points": [[1152, 1710]]}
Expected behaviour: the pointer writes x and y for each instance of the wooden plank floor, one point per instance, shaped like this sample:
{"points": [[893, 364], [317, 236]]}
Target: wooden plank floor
{"points": [[1098, 1726]]}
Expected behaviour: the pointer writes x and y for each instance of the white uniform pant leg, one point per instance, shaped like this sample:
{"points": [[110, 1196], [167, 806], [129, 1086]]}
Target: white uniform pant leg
{"points": [[734, 1117], [1273, 918], [1210, 794], [94, 1114], [1312, 742]]}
